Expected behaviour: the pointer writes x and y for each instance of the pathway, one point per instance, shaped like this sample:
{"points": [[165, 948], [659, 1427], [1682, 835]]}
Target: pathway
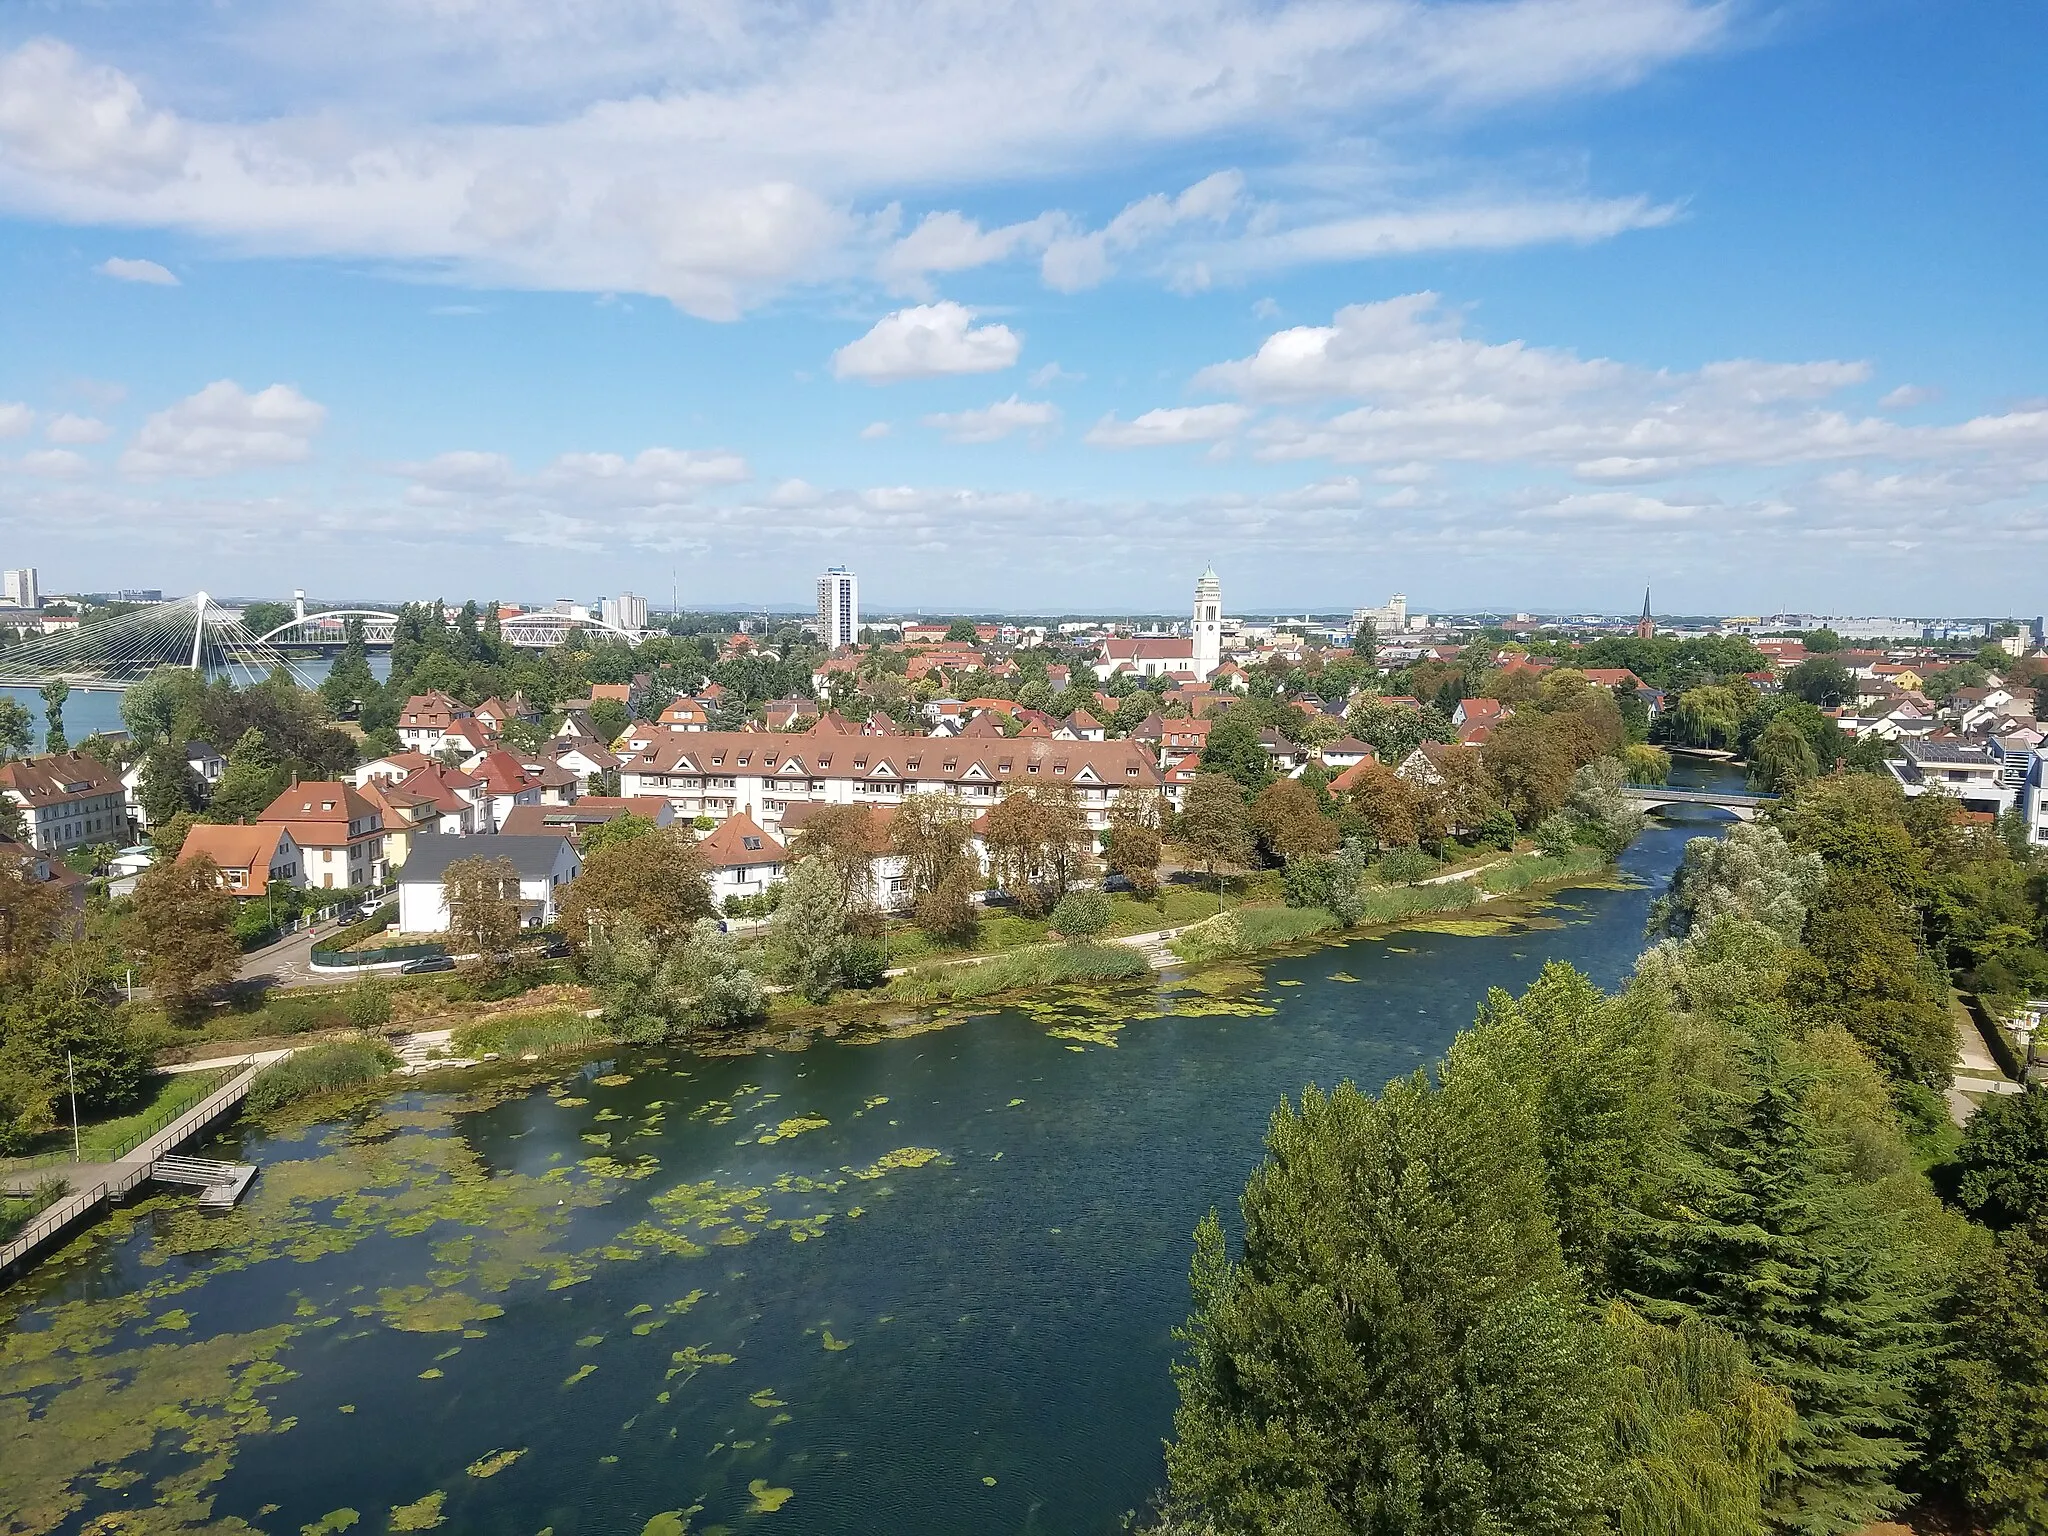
{"points": [[94, 1184], [1976, 1069]]}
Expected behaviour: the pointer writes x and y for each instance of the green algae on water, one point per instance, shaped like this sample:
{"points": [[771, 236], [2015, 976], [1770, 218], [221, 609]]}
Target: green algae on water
{"points": [[767, 1498], [420, 1515], [493, 1464]]}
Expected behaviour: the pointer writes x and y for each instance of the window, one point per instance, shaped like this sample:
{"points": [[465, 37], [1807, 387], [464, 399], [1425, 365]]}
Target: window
{"points": [[751, 844]]}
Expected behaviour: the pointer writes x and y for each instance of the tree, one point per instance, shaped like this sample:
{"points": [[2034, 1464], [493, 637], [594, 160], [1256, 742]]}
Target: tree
{"points": [[1384, 805], [1290, 824], [182, 928], [254, 777], [1038, 842], [961, 632], [482, 897], [2001, 1169], [1365, 644], [1821, 680], [1213, 828], [1822, 641], [1599, 802], [1401, 1347], [349, 683], [1782, 759], [1081, 914], [1647, 764], [806, 933], [1233, 749], [847, 839], [17, 728], [1750, 873], [169, 787], [33, 913], [1395, 730], [654, 876], [1991, 1391], [1859, 967], [1532, 763], [611, 718], [620, 830], [262, 618], [1133, 847], [931, 834], [1758, 1240], [1709, 716], [163, 706], [54, 694]]}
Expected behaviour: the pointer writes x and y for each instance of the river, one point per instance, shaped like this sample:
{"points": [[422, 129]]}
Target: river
{"points": [[924, 1285], [99, 709]]}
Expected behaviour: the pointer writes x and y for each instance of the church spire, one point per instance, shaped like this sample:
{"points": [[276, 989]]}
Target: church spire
{"points": [[1646, 627]]}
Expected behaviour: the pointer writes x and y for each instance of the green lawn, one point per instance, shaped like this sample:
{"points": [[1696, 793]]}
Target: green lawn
{"points": [[102, 1141]]}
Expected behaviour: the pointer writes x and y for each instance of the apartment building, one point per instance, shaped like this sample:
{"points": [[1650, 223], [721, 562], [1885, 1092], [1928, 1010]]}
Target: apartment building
{"points": [[715, 773], [67, 800]]}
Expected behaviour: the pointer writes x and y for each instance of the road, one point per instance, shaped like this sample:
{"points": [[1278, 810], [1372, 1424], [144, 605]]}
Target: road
{"points": [[289, 962]]}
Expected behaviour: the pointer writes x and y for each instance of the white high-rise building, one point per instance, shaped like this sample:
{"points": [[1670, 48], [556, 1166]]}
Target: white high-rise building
{"points": [[1388, 621], [18, 589], [838, 608], [625, 612], [1208, 625]]}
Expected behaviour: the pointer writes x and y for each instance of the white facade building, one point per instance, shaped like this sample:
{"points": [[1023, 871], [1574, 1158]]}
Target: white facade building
{"points": [[838, 608], [18, 588], [1208, 624], [624, 612], [1390, 620]]}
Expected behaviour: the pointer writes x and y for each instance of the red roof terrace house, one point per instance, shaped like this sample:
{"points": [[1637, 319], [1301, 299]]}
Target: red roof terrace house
{"points": [[340, 834]]}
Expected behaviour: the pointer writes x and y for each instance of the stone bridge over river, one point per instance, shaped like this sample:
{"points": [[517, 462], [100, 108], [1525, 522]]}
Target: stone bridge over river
{"points": [[1742, 805]]}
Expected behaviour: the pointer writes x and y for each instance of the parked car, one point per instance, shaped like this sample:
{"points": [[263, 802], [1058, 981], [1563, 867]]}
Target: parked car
{"points": [[553, 949], [426, 965]]}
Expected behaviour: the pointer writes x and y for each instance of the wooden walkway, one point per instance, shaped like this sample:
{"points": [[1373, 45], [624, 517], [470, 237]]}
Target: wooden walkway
{"points": [[111, 1182]]}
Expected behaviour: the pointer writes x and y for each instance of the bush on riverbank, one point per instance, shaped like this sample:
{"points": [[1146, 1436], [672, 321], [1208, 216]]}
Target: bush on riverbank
{"points": [[323, 1069], [516, 1034], [1247, 929], [1533, 868], [1013, 970]]}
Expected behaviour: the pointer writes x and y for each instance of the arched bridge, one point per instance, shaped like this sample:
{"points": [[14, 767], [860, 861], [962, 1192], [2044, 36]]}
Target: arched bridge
{"points": [[1742, 805], [530, 631]]}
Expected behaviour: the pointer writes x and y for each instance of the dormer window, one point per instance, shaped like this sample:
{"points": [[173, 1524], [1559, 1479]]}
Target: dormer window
{"points": [[751, 844]]}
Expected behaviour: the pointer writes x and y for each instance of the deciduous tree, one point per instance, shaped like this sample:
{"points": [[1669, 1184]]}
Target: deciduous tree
{"points": [[655, 876], [182, 929], [482, 896], [1214, 828]]}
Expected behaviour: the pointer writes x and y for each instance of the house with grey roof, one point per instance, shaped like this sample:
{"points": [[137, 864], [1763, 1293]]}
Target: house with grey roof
{"points": [[544, 864]]}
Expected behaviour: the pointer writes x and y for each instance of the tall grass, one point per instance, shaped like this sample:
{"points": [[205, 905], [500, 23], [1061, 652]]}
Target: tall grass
{"points": [[540, 1032], [336, 1067], [1013, 970], [1532, 868]]}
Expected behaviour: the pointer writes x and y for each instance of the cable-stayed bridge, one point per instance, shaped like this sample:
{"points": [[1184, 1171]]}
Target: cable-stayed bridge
{"points": [[198, 633], [119, 652]]}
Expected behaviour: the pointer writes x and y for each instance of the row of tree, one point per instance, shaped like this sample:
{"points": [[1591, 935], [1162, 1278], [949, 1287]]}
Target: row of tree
{"points": [[1662, 1261]]}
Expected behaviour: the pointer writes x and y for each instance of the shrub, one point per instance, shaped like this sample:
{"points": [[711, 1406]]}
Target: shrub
{"points": [[1081, 914], [1557, 834], [303, 1015], [1407, 866], [863, 963], [368, 1005], [337, 1067]]}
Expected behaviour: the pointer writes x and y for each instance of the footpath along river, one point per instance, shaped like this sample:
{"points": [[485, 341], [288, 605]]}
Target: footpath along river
{"points": [[924, 1285]]}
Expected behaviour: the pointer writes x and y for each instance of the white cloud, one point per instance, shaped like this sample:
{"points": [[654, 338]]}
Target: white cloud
{"points": [[223, 429], [1049, 374], [68, 428], [69, 120], [714, 156], [992, 423], [16, 419], [1906, 396], [1177, 424], [55, 463], [135, 270], [875, 430], [1075, 262], [927, 341], [952, 242]]}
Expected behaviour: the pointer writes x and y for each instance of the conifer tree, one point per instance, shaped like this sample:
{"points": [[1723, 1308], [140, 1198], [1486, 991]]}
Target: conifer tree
{"points": [[1402, 1348], [1758, 1239]]}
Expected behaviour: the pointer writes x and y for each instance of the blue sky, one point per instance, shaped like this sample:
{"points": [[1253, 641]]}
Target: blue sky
{"points": [[1521, 303]]}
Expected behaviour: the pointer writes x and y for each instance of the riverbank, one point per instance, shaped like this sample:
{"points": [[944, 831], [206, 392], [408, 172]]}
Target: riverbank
{"points": [[1512, 890]]}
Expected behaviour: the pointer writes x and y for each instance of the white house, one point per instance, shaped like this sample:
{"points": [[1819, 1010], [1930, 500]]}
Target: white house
{"points": [[545, 866], [742, 858]]}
